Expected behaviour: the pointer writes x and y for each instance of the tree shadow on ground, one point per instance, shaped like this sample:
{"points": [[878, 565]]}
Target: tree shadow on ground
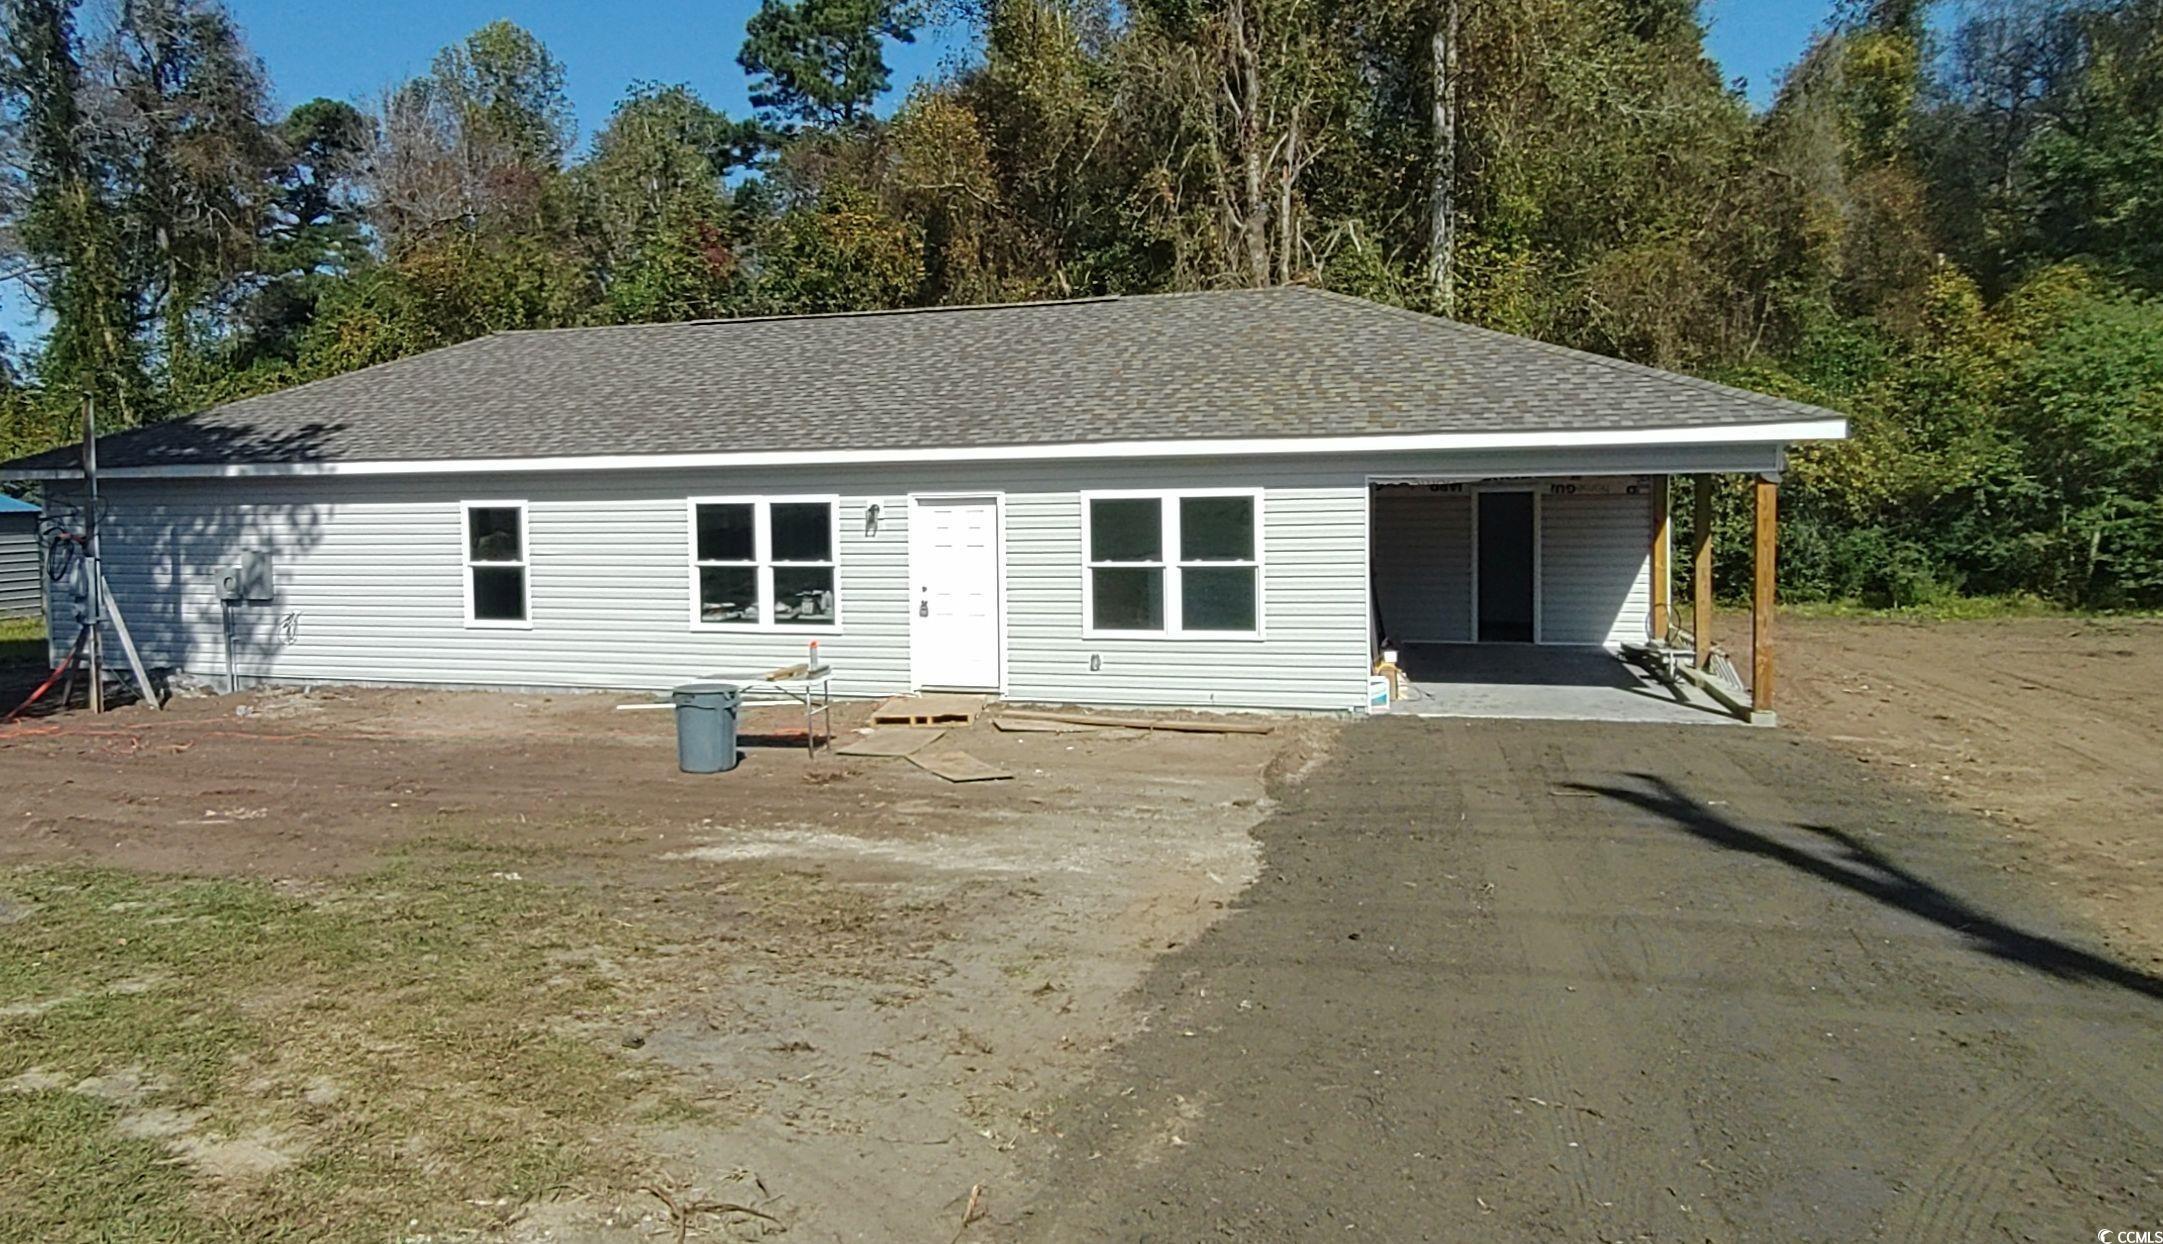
{"points": [[1864, 870]]}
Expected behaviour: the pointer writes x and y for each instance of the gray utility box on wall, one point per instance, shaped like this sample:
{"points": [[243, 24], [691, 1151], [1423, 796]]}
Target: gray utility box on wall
{"points": [[249, 579]]}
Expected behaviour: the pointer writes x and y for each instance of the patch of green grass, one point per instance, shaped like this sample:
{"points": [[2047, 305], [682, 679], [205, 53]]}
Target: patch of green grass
{"points": [[1953, 609], [63, 1150], [22, 641], [413, 1042]]}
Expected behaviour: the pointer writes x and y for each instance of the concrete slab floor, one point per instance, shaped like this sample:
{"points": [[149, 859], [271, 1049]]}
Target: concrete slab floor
{"points": [[1535, 683]]}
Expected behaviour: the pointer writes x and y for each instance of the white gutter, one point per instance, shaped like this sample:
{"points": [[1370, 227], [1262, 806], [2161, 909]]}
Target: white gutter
{"points": [[1728, 434]]}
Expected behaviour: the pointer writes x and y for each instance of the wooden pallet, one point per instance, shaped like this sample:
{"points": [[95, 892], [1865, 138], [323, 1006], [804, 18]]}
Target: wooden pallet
{"points": [[928, 710]]}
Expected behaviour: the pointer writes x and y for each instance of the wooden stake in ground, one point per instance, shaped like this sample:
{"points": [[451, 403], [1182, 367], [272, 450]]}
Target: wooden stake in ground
{"points": [[974, 1211]]}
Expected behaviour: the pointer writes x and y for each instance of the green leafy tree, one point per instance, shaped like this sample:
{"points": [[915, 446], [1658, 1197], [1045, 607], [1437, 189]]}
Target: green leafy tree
{"points": [[194, 170], [314, 236], [823, 62], [474, 209], [476, 145], [842, 253], [2085, 406], [71, 252], [667, 233], [2097, 166]]}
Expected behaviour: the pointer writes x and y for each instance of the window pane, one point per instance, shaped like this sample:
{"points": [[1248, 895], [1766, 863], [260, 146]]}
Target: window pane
{"points": [[1129, 600], [1126, 530], [728, 594], [499, 594], [1216, 529], [803, 531], [492, 534], [804, 595], [725, 534], [1220, 598]]}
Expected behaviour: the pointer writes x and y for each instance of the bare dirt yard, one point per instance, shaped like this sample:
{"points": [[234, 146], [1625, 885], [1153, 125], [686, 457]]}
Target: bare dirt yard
{"points": [[383, 965], [2051, 728]]}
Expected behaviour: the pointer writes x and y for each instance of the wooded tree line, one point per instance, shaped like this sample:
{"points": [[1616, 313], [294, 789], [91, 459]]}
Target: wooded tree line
{"points": [[1948, 225]]}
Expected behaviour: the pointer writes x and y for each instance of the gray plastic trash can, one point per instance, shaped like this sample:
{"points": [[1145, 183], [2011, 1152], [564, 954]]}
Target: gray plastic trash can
{"points": [[706, 726]]}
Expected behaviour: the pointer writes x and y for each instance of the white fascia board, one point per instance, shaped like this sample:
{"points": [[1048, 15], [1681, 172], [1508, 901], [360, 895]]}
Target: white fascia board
{"points": [[1309, 446]]}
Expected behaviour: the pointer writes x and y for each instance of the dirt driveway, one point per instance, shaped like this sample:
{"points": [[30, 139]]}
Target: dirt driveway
{"points": [[1505, 981]]}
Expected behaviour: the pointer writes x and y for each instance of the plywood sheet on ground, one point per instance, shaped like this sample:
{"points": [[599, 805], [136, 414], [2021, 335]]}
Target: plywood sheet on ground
{"points": [[958, 766], [1030, 725], [893, 741]]}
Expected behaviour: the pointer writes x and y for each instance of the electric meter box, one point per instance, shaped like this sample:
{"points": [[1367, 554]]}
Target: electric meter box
{"points": [[249, 579]]}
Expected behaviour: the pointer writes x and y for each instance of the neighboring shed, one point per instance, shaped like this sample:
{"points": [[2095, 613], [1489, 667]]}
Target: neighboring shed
{"points": [[21, 576], [1213, 499]]}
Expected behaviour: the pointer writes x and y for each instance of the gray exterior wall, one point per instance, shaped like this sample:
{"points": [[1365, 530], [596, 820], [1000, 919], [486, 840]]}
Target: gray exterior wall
{"points": [[22, 586], [1595, 581], [1423, 565], [370, 589], [1595, 569]]}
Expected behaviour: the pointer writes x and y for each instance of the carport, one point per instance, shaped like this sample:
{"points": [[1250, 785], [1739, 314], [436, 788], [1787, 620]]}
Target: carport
{"points": [[1549, 597], [1543, 684]]}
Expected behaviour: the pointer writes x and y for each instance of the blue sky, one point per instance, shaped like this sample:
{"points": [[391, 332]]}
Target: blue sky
{"points": [[357, 49], [354, 49]]}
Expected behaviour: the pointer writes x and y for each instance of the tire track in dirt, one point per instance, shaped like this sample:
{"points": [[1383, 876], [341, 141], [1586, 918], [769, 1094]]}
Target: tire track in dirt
{"points": [[1971, 1173], [1553, 1088], [2048, 1053], [1631, 939], [1617, 1019]]}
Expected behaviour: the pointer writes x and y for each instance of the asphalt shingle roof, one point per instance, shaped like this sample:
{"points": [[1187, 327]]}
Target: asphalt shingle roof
{"points": [[1284, 362]]}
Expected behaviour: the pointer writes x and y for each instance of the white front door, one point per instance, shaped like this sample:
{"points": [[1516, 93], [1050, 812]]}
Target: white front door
{"points": [[954, 592]]}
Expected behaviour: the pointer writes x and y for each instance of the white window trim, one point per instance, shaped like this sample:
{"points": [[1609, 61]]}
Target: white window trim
{"points": [[524, 564], [763, 563], [1172, 564]]}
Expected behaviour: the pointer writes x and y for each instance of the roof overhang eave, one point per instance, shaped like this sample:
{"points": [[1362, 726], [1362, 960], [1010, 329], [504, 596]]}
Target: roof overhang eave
{"points": [[1781, 432]]}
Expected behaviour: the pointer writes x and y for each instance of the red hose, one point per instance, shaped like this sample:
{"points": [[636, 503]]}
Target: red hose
{"points": [[47, 685]]}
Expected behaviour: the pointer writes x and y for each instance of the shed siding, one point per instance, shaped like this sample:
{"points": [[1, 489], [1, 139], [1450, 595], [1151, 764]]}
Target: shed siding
{"points": [[1595, 569], [369, 576], [1423, 565], [21, 586]]}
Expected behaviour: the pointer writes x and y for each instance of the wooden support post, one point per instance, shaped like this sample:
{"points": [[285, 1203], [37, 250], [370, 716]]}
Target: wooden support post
{"points": [[1701, 568], [1663, 575], [1762, 592]]}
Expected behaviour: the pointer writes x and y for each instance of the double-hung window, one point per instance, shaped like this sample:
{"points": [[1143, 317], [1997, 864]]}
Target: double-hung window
{"points": [[765, 562], [1172, 563], [496, 590]]}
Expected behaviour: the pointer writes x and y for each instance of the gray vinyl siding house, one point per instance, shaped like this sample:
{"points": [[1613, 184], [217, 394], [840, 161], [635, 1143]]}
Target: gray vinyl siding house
{"points": [[1208, 500]]}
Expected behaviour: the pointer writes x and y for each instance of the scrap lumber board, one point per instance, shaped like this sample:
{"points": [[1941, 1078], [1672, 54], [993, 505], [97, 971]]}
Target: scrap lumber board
{"points": [[1145, 723], [892, 742], [928, 710], [957, 766], [1030, 725]]}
